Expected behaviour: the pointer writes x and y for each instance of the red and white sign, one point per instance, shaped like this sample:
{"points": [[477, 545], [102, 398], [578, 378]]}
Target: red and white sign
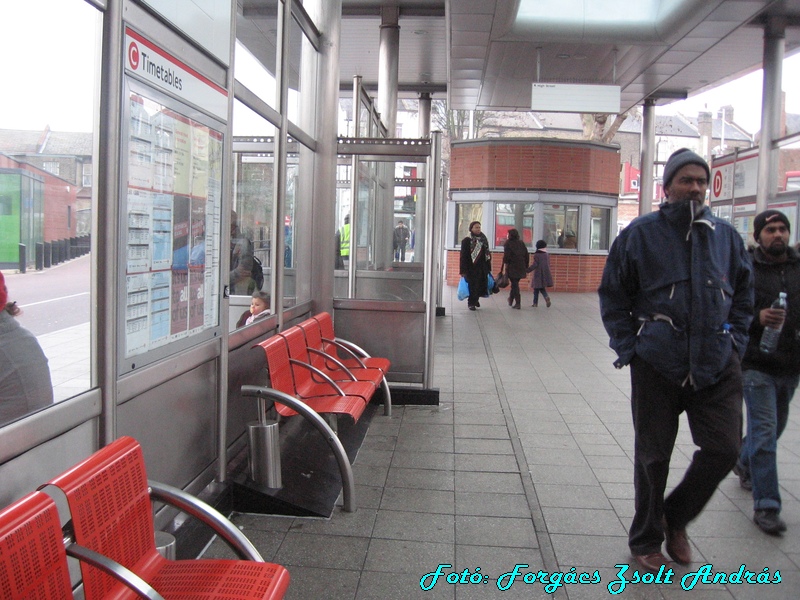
{"points": [[717, 189], [162, 70]]}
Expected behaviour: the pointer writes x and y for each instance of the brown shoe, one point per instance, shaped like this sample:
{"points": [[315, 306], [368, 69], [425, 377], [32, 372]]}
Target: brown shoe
{"points": [[547, 300], [652, 562], [677, 544]]}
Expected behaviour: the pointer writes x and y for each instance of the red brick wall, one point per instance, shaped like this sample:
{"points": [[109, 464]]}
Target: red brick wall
{"points": [[536, 165], [571, 272]]}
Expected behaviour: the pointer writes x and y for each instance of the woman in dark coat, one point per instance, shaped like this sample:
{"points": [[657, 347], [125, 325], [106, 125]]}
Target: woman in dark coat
{"points": [[515, 263], [542, 276], [475, 264]]}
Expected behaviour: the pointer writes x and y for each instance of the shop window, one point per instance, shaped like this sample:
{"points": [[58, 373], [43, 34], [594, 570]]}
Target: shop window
{"points": [[599, 228], [561, 226], [517, 216], [466, 213]]}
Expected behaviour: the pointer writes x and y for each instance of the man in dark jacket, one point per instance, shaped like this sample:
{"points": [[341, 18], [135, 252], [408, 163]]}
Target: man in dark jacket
{"points": [[770, 379], [676, 299]]}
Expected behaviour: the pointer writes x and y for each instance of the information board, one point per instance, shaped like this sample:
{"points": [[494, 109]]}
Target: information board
{"points": [[172, 224]]}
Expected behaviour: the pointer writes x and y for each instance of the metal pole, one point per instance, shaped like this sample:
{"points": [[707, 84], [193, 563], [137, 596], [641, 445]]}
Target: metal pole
{"points": [[774, 42], [431, 276], [646, 163]]}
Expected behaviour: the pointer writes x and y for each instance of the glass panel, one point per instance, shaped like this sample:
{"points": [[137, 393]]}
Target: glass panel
{"points": [[251, 223], [255, 56], [49, 214], [302, 79], [518, 216], [297, 286], [560, 226], [465, 214], [248, 123], [600, 228], [364, 121]]}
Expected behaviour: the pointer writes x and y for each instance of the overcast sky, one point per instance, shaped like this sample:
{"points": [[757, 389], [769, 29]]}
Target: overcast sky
{"points": [[48, 75]]}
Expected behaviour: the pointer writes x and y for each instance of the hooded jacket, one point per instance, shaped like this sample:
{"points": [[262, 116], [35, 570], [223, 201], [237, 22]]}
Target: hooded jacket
{"points": [[677, 292], [770, 280]]}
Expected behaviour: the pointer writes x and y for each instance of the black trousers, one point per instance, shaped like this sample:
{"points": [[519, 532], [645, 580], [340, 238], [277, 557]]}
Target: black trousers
{"points": [[715, 421], [514, 294]]}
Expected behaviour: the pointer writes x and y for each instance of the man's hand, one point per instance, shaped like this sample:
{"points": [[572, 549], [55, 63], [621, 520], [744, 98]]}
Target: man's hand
{"points": [[772, 317]]}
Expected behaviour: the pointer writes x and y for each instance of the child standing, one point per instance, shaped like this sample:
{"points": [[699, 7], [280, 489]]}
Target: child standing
{"points": [[259, 307], [542, 277]]}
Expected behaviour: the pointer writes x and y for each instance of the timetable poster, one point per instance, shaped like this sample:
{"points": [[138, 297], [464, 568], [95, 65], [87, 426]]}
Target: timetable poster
{"points": [[172, 221]]}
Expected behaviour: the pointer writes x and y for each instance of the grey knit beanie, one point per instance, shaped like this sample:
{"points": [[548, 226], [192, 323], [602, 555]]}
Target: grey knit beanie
{"points": [[681, 158]]}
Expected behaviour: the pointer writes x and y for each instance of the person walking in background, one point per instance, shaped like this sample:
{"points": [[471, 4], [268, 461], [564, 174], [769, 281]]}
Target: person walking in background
{"points": [[400, 239], [475, 264], [676, 299], [515, 263], [25, 384], [770, 379], [343, 244], [542, 276]]}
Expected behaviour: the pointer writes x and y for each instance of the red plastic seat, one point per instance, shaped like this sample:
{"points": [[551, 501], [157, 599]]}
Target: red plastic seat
{"points": [[33, 562], [304, 378], [333, 344], [112, 514], [281, 379], [318, 357]]}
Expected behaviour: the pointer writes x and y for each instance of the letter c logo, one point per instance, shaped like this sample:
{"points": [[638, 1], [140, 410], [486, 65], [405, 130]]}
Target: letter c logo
{"points": [[133, 55]]}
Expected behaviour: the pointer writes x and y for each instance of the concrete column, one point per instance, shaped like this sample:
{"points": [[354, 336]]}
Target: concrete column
{"points": [[326, 13], [388, 61], [774, 42], [646, 163]]}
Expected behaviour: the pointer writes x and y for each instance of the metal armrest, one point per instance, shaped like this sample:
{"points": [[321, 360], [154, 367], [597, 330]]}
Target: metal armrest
{"points": [[343, 345], [208, 515], [114, 569], [335, 361], [316, 371], [348, 483]]}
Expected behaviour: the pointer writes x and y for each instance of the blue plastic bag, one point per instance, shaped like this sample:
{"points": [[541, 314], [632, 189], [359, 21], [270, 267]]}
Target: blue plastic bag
{"points": [[490, 286], [463, 289]]}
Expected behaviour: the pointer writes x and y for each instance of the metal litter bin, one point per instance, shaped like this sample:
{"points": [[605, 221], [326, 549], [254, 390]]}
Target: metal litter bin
{"points": [[166, 545], [265, 453]]}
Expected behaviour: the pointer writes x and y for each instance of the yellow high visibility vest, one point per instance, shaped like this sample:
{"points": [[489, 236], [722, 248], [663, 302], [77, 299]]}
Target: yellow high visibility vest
{"points": [[344, 240]]}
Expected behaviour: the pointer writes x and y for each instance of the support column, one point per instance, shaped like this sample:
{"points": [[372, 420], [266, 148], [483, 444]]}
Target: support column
{"points": [[774, 42], [323, 251], [648, 143], [388, 63], [421, 225]]}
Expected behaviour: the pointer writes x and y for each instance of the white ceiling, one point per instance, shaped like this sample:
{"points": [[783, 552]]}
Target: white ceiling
{"points": [[478, 54]]}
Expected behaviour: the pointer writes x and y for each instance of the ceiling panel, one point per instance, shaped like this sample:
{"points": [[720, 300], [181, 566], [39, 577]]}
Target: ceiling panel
{"points": [[712, 46]]}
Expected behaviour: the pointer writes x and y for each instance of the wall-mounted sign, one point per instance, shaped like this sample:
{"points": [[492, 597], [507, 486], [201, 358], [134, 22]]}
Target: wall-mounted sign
{"points": [[575, 98], [165, 72]]}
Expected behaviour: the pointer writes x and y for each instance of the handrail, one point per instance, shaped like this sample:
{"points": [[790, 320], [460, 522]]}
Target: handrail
{"points": [[208, 515], [112, 568], [348, 482]]}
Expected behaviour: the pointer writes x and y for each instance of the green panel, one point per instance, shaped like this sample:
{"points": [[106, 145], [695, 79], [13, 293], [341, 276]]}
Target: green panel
{"points": [[9, 217]]}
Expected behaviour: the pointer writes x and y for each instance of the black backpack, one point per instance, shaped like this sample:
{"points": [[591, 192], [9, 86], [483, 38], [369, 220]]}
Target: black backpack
{"points": [[257, 273]]}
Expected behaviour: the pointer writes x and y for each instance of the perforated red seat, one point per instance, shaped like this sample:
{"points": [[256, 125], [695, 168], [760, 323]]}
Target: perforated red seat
{"points": [[33, 562], [304, 378], [280, 377], [313, 338], [329, 337], [111, 511]]}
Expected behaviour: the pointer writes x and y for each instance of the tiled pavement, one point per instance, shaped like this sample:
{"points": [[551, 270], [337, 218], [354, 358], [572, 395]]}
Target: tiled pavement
{"points": [[527, 460]]}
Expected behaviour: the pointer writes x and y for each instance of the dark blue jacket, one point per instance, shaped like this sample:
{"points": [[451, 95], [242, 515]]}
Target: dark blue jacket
{"points": [[677, 292]]}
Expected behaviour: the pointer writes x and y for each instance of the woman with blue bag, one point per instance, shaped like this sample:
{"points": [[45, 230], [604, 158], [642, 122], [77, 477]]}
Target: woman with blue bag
{"points": [[475, 264]]}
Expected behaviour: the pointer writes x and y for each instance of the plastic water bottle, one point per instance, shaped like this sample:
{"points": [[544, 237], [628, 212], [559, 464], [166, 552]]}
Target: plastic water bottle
{"points": [[769, 339]]}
